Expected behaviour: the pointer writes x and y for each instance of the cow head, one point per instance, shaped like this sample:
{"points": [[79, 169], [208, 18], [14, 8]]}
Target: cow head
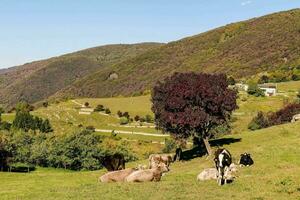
{"points": [[163, 167]]}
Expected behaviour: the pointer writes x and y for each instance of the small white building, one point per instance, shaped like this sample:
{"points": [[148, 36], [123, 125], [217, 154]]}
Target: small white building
{"points": [[269, 90]]}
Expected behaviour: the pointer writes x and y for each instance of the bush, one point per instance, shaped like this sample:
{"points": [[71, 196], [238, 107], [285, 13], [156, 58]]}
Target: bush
{"points": [[90, 128], [126, 114], [86, 104], [137, 118], [120, 114], [107, 111], [149, 119], [278, 77], [45, 104], [99, 108], [258, 122], [285, 114], [295, 77], [142, 119], [255, 90], [263, 79], [76, 151], [124, 120], [5, 126], [170, 146]]}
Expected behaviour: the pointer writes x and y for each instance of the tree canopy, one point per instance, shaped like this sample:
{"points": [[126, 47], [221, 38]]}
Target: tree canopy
{"points": [[191, 104]]}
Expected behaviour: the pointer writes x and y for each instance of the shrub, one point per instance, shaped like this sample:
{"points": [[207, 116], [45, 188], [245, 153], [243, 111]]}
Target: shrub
{"points": [[99, 108], [126, 114], [120, 114], [149, 119], [278, 77], [107, 111], [45, 104], [295, 77], [124, 120], [76, 151], [285, 114], [170, 146], [90, 128], [263, 79], [137, 118], [142, 119], [282, 116], [258, 122], [5, 126], [254, 90]]}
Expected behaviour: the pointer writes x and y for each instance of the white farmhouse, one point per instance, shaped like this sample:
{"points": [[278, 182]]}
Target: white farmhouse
{"points": [[269, 90]]}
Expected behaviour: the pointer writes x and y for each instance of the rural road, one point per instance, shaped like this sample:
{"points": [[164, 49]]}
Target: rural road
{"points": [[131, 132]]}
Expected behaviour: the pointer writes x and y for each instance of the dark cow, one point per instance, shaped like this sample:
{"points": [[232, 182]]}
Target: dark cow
{"points": [[246, 159], [222, 160], [114, 162]]}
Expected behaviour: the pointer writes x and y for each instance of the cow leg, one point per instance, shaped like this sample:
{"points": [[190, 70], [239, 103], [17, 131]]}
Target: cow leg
{"points": [[225, 174], [220, 176]]}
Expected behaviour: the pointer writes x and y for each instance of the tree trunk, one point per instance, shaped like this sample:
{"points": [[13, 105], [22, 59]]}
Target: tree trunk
{"points": [[207, 146]]}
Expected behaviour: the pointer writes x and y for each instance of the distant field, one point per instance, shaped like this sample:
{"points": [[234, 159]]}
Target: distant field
{"points": [[274, 175], [140, 105], [292, 86]]}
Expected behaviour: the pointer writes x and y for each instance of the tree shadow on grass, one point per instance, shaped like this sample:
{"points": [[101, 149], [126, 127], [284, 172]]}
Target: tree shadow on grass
{"points": [[200, 150], [224, 141]]}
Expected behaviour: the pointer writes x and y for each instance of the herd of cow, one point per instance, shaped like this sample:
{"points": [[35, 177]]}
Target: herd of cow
{"points": [[223, 172]]}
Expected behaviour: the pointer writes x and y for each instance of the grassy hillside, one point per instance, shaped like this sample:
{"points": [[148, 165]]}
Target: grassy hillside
{"points": [[38, 80], [273, 176], [241, 49]]}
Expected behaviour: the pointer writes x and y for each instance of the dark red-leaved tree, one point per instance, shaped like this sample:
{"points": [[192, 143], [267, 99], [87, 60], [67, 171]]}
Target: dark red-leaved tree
{"points": [[191, 104]]}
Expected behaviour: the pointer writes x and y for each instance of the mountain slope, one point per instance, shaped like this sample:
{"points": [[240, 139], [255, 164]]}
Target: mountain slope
{"points": [[240, 49], [39, 80]]}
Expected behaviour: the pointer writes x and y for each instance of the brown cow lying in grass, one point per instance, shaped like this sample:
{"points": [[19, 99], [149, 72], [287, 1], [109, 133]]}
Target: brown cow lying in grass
{"points": [[146, 175], [116, 176], [156, 159]]}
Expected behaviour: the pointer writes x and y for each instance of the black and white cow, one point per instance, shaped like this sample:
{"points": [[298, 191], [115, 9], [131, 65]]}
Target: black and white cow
{"points": [[222, 160], [246, 160]]}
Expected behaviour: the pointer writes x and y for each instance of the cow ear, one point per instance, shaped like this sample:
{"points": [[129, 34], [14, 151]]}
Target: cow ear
{"points": [[242, 154]]}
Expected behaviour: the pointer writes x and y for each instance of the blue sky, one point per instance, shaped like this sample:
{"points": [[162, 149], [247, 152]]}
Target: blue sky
{"points": [[37, 29]]}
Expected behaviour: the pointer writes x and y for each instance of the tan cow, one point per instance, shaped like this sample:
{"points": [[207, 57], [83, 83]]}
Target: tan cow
{"points": [[146, 175], [116, 176], [156, 159]]}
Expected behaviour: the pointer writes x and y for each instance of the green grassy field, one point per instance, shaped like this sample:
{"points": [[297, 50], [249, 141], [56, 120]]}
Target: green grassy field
{"points": [[273, 176], [275, 151]]}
